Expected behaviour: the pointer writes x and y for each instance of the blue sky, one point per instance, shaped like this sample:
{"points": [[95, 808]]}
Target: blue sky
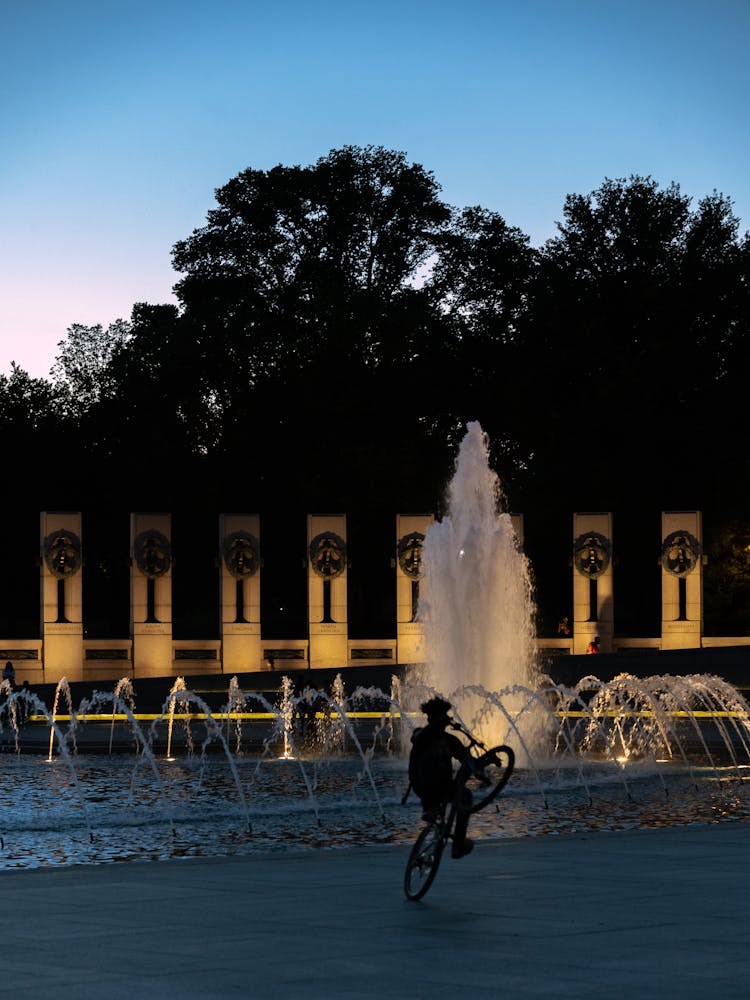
{"points": [[119, 121]]}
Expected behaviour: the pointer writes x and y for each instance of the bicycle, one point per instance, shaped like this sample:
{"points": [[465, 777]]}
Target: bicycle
{"points": [[491, 774]]}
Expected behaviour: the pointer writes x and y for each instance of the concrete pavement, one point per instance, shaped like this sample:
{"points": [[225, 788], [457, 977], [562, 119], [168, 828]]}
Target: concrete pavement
{"points": [[638, 914]]}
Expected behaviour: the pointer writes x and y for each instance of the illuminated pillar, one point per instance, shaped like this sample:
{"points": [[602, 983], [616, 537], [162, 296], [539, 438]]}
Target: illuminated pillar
{"points": [[410, 534], [239, 544], [681, 579], [61, 595], [151, 594], [326, 590], [593, 580]]}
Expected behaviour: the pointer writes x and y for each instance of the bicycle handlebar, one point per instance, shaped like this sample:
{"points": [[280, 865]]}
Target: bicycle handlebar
{"points": [[473, 741]]}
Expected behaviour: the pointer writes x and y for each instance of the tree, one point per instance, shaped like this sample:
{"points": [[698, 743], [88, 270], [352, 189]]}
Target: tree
{"points": [[344, 304], [482, 274], [42, 473], [302, 296], [82, 372], [627, 339], [299, 264], [32, 434], [27, 405]]}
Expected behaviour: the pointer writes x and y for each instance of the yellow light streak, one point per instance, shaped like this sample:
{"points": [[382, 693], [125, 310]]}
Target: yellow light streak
{"points": [[270, 716]]}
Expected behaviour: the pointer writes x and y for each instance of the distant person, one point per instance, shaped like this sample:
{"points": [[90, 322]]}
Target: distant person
{"points": [[593, 646], [9, 673], [431, 770]]}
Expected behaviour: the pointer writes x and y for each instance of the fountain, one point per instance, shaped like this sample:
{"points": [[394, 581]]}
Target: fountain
{"points": [[182, 707], [476, 608], [62, 688], [235, 705], [306, 768], [628, 752], [476, 602], [123, 692], [287, 716]]}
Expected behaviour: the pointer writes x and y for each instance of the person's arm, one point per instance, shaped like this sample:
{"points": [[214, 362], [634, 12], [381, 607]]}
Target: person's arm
{"points": [[462, 753], [459, 750]]}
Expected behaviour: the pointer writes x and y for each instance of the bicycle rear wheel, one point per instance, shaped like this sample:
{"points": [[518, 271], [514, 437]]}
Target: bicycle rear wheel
{"points": [[497, 767], [423, 863]]}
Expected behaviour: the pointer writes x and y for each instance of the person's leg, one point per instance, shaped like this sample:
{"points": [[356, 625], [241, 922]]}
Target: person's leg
{"points": [[461, 843], [430, 808]]}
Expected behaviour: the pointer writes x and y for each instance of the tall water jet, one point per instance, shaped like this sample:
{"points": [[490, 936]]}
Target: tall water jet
{"points": [[124, 692], [183, 707], [476, 602], [62, 688], [286, 718]]}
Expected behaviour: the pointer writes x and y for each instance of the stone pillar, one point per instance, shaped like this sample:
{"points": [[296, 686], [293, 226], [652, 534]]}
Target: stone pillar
{"points": [[593, 579], [151, 594], [61, 595], [239, 545], [326, 590], [681, 579], [410, 533]]}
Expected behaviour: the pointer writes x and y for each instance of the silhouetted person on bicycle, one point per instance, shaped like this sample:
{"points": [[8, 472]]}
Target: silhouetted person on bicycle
{"points": [[431, 771]]}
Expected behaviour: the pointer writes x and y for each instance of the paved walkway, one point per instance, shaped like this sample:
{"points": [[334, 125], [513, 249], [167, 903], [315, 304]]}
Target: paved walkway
{"points": [[659, 913]]}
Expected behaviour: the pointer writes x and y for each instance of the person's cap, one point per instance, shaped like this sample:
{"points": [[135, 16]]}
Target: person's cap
{"points": [[436, 708]]}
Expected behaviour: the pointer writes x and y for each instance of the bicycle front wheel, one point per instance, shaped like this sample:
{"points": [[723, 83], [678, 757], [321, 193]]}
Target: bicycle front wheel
{"points": [[423, 863], [497, 766]]}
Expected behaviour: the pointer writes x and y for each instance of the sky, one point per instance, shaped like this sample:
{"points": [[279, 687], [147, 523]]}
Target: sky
{"points": [[119, 121]]}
